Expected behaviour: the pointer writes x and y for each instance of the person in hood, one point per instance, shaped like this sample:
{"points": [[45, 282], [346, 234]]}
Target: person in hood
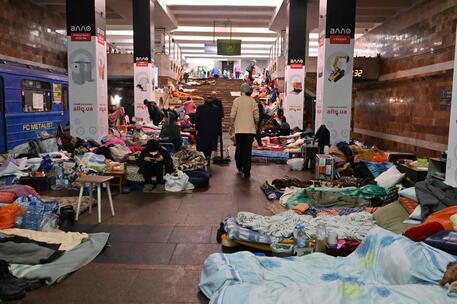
{"points": [[154, 160], [171, 131], [155, 113]]}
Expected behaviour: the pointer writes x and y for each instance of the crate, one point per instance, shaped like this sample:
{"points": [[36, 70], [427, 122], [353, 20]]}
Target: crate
{"points": [[325, 167]]}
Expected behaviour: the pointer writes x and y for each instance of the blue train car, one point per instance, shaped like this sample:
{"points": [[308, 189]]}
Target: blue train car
{"points": [[32, 100]]}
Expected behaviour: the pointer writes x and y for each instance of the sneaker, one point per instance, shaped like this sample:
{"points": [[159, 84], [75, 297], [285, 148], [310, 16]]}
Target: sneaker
{"points": [[148, 188]]}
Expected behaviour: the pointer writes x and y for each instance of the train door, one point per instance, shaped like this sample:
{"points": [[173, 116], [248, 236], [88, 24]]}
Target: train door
{"points": [[2, 118], [65, 106]]}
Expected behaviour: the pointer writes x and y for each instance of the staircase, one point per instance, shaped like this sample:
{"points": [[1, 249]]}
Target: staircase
{"points": [[223, 88]]}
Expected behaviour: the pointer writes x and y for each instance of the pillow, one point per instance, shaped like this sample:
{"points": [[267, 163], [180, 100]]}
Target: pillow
{"points": [[443, 217], [390, 215], [417, 213], [389, 178], [408, 204], [423, 231], [409, 193], [7, 197]]}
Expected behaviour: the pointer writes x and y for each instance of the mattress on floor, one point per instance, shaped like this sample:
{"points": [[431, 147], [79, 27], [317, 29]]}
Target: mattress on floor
{"points": [[270, 154]]}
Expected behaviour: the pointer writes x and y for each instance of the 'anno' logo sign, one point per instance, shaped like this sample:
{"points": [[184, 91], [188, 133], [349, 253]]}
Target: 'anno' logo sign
{"points": [[340, 31], [80, 28]]}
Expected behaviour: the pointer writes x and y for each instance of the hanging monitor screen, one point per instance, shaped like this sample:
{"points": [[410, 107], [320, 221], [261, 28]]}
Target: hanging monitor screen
{"points": [[228, 47]]}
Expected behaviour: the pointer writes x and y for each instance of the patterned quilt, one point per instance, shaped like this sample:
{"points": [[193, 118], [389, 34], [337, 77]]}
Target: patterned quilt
{"points": [[385, 268]]}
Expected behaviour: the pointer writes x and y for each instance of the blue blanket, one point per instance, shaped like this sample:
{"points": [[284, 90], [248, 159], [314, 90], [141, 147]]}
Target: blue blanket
{"points": [[385, 268]]}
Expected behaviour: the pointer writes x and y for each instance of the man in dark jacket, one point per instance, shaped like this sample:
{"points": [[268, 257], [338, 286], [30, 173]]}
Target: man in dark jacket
{"points": [[208, 126], [154, 161], [262, 117], [155, 113], [217, 102]]}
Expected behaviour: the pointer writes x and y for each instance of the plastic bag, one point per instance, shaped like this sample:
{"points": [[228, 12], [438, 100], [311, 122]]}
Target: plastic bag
{"points": [[296, 164], [177, 182], [9, 214]]}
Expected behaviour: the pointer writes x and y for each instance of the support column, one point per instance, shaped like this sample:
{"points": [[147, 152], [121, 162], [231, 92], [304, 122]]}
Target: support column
{"points": [[451, 168], [143, 39], [87, 69], [294, 88], [334, 67]]}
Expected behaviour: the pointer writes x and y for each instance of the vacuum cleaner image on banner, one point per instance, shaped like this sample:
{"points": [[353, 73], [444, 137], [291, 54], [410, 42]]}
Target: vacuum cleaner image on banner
{"points": [[337, 65]]}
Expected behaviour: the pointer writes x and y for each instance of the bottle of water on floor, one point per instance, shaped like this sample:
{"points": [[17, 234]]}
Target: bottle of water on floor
{"points": [[33, 215], [300, 239], [321, 236]]}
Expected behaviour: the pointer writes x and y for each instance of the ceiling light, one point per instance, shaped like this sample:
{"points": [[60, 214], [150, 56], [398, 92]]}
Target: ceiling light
{"points": [[313, 35], [210, 29], [217, 56], [210, 38], [273, 3], [192, 45], [313, 43], [119, 32]]}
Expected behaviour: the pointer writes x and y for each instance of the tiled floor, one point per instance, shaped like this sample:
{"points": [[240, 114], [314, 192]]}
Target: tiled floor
{"points": [[158, 242]]}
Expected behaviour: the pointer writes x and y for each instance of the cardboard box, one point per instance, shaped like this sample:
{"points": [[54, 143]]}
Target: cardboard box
{"points": [[325, 167]]}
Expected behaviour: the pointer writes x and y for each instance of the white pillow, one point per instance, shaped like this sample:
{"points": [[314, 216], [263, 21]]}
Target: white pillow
{"points": [[416, 215], [409, 193], [389, 178]]}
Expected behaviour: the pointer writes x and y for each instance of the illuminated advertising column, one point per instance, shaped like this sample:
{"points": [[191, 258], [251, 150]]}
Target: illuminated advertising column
{"points": [[451, 169], [143, 34], [334, 67], [294, 87], [87, 70]]}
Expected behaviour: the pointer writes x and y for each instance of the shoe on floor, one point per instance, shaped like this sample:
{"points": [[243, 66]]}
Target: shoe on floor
{"points": [[148, 188], [11, 288]]}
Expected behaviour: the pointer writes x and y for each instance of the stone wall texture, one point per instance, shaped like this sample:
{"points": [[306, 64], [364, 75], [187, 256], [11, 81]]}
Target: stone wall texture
{"points": [[408, 107], [28, 32]]}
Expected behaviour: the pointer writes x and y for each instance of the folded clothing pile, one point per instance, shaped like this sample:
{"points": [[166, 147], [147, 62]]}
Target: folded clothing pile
{"points": [[30, 258]]}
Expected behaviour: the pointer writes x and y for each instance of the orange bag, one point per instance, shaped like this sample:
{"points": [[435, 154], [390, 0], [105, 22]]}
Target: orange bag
{"points": [[380, 157], [443, 217], [8, 215]]}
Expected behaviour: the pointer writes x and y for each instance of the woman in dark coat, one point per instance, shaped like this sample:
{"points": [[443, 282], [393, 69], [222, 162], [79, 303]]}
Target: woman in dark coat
{"points": [[208, 126]]}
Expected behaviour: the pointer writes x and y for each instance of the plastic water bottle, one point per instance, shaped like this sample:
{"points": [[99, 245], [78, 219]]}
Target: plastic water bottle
{"points": [[59, 177], [321, 235], [33, 216], [300, 235]]}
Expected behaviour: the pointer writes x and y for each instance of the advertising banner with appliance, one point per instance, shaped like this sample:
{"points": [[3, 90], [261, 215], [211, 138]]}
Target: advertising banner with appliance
{"points": [[451, 168], [294, 86], [334, 68], [87, 71], [143, 69], [294, 95], [143, 80]]}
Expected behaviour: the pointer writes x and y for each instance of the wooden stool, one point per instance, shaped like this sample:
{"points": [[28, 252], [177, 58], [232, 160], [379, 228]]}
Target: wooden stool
{"points": [[98, 181]]}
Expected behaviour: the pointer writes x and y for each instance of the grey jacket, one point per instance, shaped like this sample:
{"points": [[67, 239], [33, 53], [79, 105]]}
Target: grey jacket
{"points": [[434, 195]]}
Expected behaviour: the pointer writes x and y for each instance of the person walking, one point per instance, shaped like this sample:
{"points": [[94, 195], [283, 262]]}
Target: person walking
{"points": [[207, 124], [245, 116]]}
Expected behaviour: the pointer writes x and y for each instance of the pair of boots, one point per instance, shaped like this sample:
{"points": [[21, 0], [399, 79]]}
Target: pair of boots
{"points": [[11, 288], [67, 218]]}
